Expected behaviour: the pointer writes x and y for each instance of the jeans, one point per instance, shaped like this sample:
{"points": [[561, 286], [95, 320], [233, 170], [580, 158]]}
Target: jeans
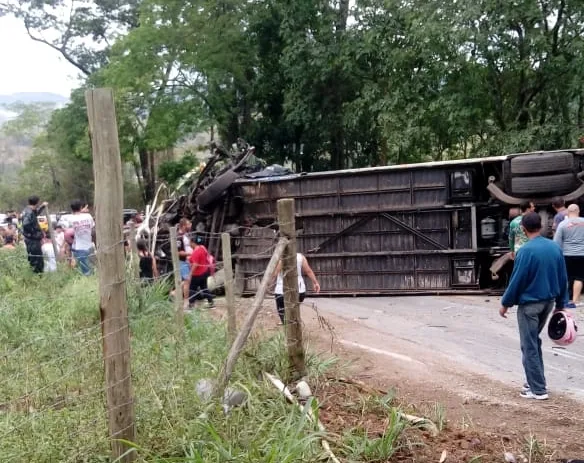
{"points": [[82, 258], [532, 319], [35, 255]]}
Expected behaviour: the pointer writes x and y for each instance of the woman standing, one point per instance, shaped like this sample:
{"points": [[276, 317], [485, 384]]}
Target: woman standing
{"points": [[302, 268], [148, 266]]}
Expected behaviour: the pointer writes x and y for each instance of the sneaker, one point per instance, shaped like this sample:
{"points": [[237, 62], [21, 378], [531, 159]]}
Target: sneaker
{"points": [[210, 305], [525, 388], [570, 305], [531, 395]]}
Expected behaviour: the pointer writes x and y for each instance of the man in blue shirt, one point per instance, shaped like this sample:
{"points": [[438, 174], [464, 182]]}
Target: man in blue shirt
{"points": [[539, 280]]}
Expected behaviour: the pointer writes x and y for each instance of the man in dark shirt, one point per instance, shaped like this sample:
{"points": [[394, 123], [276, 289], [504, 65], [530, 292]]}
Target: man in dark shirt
{"points": [[559, 206], [539, 280], [33, 235]]}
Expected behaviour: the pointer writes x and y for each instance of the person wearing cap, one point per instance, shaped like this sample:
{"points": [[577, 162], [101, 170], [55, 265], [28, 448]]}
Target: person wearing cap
{"points": [[539, 280], [33, 235], [570, 237]]}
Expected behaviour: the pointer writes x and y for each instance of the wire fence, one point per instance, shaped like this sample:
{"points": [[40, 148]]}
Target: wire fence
{"points": [[52, 385]]}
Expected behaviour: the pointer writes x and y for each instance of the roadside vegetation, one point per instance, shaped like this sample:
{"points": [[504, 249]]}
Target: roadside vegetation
{"points": [[52, 394], [52, 401]]}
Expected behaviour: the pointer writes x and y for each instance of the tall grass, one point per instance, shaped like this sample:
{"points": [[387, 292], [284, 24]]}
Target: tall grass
{"points": [[52, 402]]}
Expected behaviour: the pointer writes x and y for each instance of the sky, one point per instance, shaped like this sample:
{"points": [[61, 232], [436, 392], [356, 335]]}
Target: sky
{"points": [[28, 66]]}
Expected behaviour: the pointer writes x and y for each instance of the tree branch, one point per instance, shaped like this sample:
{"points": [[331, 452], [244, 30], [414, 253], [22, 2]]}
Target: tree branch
{"points": [[61, 50], [557, 26]]}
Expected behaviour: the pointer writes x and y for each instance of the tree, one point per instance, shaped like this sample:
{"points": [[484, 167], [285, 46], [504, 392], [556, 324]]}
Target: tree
{"points": [[327, 85], [70, 26]]}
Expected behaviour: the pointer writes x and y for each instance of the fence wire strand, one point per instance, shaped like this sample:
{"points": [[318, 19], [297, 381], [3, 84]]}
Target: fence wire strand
{"points": [[34, 387]]}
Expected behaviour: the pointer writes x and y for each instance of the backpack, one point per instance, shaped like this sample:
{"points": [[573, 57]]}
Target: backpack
{"points": [[211, 265]]}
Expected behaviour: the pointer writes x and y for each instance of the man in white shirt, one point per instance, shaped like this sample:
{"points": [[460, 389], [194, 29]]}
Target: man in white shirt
{"points": [[82, 223]]}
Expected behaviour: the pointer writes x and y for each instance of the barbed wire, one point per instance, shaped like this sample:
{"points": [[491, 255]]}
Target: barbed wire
{"points": [[74, 378]]}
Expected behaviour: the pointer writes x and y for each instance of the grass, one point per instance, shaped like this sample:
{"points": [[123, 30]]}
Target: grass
{"points": [[438, 416], [51, 380], [536, 451], [359, 445]]}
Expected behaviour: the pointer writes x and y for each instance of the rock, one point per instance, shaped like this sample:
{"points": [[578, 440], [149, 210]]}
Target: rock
{"points": [[303, 390], [204, 389], [509, 457], [475, 442], [233, 398]]}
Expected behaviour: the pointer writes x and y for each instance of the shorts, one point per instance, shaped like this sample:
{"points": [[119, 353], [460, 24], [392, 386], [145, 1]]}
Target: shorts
{"points": [[185, 270], [575, 267]]}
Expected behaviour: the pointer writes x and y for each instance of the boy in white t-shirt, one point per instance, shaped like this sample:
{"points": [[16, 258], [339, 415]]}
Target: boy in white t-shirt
{"points": [[82, 223]]}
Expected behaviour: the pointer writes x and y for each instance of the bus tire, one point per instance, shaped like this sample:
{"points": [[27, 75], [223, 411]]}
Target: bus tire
{"points": [[548, 184], [542, 163]]}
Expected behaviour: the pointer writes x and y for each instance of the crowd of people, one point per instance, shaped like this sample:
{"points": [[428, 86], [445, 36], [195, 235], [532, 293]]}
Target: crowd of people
{"points": [[73, 239], [547, 277]]}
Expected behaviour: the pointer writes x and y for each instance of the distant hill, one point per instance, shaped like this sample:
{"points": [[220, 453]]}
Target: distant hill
{"points": [[33, 97], [13, 152]]}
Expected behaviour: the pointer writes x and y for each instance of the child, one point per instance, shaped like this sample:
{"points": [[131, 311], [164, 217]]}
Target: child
{"points": [[200, 271], [49, 255]]}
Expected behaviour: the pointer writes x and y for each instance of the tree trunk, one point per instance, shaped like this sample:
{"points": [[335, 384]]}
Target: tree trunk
{"points": [[152, 173], [580, 116], [148, 186], [343, 16]]}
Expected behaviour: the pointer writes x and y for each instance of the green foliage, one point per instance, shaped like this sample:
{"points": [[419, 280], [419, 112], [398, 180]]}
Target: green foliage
{"points": [[52, 385], [30, 120], [172, 171], [360, 446], [326, 85]]}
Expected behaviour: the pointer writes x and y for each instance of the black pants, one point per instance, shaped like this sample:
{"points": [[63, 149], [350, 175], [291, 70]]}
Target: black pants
{"points": [[199, 290], [35, 255], [280, 304]]}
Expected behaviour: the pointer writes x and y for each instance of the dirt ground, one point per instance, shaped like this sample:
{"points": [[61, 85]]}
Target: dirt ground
{"points": [[483, 417]]}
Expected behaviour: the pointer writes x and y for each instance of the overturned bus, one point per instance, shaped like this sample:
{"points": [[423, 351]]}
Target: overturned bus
{"points": [[433, 227]]}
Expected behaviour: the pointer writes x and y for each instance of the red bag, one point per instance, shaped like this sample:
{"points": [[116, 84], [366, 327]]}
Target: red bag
{"points": [[211, 264]]}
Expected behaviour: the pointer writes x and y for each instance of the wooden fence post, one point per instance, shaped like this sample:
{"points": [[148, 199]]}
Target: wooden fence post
{"points": [[243, 334], [287, 224], [109, 194], [178, 289], [52, 233], [229, 286]]}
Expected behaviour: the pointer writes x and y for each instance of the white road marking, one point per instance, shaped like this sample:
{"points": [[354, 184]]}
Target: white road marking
{"points": [[382, 352], [567, 354]]}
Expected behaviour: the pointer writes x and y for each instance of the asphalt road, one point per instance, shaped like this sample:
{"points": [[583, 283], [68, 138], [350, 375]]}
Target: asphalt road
{"points": [[461, 333]]}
